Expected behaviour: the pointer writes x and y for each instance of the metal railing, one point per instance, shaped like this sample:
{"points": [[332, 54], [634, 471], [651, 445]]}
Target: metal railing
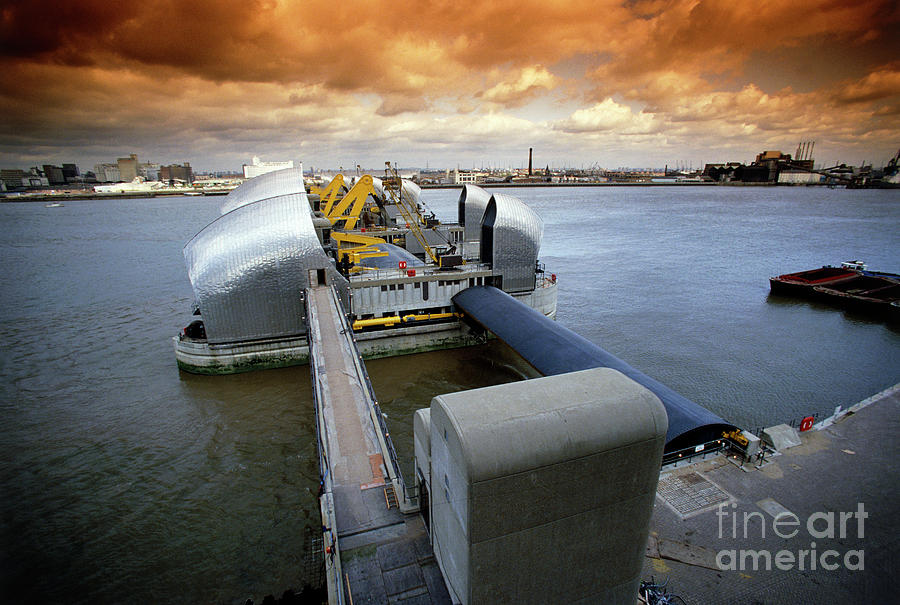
{"points": [[689, 454], [394, 473], [361, 368], [740, 453], [793, 423], [460, 272], [331, 559]]}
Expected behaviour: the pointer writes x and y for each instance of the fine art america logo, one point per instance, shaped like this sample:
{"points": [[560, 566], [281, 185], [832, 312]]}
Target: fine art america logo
{"points": [[822, 526]]}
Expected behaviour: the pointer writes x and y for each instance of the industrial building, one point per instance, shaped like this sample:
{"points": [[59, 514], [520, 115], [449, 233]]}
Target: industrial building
{"points": [[258, 167]]}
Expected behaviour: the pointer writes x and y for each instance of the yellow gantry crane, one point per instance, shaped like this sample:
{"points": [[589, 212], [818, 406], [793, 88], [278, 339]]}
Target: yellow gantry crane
{"points": [[348, 207], [330, 192], [354, 201], [393, 187]]}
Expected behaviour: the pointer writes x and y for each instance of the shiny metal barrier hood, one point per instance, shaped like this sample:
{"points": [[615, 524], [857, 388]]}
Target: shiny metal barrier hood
{"points": [[271, 184], [511, 235], [249, 267], [472, 202]]}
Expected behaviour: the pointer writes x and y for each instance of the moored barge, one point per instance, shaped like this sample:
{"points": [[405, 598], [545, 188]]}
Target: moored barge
{"points": [[851, 285]]}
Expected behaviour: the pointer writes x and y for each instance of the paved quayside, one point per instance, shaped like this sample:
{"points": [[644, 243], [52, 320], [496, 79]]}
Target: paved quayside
{"points": [[374, 552], [844, 474]]}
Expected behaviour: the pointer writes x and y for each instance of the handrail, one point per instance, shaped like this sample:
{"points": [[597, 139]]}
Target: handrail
{"points": [[689, 453], [392, 179], [392, 464], [326, 501], [794, 422], [430, 270]]}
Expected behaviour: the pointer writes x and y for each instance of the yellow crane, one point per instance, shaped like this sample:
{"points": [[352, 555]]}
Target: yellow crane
{"points": [[330, 193], [354, 201], [356, 247], [393, 187]]}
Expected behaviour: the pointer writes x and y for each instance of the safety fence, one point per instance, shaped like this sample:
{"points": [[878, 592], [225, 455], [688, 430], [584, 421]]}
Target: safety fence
{"points": [[689, 454], [801, 423]]}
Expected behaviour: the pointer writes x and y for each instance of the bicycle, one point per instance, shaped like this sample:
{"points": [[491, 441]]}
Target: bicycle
{"points": [[652, 593]]}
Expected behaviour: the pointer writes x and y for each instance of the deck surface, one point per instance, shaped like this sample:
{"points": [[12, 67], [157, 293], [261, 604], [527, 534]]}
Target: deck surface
{"points": [[385, 555], [834, 471]]}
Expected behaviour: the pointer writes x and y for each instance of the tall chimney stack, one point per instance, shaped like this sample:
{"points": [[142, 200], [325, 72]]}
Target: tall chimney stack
{"points": [[529, 161]]}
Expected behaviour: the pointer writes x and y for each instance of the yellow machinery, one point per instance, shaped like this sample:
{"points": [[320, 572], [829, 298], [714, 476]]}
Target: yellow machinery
{"points": [[335, 203], [354, 201], [357, 247], [393, 186], [737, 437], [338, 206], [329, 195], [391, 320]]}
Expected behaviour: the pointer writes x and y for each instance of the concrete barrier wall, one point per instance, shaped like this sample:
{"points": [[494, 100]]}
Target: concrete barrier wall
{"points": [[542, 490]]}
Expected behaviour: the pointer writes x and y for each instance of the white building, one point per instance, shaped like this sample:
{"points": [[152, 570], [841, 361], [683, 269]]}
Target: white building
{"points": [[466, 177], [138, 184], [259, 167], [799, 177]]}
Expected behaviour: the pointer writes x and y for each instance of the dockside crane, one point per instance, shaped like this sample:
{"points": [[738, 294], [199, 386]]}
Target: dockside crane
{"points": [[393, 188], [354, 201]]}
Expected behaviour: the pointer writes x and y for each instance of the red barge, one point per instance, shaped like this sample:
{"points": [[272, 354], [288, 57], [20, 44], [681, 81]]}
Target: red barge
{"points": [[850, 285]]}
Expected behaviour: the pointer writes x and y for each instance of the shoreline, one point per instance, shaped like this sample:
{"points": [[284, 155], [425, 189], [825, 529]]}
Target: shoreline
{"points": [[72, 196], [55, 197]]}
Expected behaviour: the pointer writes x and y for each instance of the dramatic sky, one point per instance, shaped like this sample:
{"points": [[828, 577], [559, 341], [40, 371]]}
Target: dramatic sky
{"points": [[445, 83]]}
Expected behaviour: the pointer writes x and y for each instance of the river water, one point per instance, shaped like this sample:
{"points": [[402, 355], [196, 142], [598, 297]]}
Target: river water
{"points": [[126, 480]]}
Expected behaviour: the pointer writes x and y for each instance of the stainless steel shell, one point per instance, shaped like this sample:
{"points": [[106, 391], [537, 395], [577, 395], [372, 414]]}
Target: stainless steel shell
{"points": [[410, 191], [472, 202], [249, 267], [271, 184], [511, 241]]}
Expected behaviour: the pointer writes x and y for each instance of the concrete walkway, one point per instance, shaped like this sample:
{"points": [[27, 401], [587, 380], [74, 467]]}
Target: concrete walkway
{"points": [[836, 540], [385, 555]]}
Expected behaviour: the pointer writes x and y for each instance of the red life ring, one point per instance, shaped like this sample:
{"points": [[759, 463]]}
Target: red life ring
{"points": [[806, 423]]}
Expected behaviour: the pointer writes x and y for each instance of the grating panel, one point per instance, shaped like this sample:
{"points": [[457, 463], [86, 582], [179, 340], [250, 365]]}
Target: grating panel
{"points": [[690, 493]]}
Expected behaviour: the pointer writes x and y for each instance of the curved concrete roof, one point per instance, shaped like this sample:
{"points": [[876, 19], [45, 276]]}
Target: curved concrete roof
{"points": [[521, 426]]}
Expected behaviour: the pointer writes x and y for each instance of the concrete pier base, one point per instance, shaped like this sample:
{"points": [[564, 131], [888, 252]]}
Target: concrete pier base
{"points": [[836, 497]]}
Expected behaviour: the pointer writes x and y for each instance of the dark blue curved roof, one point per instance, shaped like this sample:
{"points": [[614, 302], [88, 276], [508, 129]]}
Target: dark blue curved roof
{"points": [[554, 349]]}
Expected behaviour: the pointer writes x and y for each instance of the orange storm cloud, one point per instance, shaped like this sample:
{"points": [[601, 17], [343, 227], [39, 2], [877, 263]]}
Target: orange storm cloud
{"points": [[653, 80]]}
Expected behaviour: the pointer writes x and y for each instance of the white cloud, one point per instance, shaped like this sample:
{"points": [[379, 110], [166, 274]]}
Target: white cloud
{"points": [[530, 82], [608, 116]]}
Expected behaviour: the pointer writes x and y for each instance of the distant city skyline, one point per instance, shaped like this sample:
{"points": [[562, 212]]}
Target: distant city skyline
{"points": [[601, 83]]}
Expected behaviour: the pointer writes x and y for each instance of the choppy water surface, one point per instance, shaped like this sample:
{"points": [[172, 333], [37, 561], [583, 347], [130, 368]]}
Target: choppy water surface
{"points": [[125, 480]]}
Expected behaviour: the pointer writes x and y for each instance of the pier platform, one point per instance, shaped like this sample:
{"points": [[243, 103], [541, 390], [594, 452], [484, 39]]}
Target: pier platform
{"points": [[837, 499], [814, 522], [375, 553]]}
